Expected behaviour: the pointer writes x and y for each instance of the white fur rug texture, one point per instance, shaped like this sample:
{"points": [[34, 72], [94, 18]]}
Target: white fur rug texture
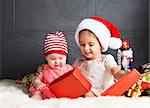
{"points": [[13, 97]]}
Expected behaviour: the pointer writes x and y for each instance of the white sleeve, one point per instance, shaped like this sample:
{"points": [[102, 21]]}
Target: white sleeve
{"points": [[110, 62]]}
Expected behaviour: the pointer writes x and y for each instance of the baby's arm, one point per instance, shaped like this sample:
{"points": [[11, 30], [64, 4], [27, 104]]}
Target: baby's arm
{"points": [[111, 65], [38, 80], [117, 73]]}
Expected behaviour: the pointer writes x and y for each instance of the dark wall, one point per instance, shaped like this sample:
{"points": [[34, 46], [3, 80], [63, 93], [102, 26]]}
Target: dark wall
{"points": [[0, 35], [24, 24]]}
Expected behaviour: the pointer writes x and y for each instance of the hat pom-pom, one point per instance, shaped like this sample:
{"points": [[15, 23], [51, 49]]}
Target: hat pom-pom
{"points": [[115, 43]]}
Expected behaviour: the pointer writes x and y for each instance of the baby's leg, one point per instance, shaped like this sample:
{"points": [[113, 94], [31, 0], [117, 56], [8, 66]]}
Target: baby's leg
{"points": [[37, 96]]}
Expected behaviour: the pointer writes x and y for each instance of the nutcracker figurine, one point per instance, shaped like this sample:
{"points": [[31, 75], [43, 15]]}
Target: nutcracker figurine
{"points": [[125, 56]]}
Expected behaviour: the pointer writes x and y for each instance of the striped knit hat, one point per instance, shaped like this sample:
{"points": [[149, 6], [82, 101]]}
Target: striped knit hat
{"points": [[55, 43]]}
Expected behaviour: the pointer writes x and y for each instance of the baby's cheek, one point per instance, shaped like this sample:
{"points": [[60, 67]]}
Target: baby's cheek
{"points": [[63, 62], [51, 64]]}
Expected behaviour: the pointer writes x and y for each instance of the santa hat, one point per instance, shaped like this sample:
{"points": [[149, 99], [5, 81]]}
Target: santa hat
{"points": [[55, 43], [106, 32]]}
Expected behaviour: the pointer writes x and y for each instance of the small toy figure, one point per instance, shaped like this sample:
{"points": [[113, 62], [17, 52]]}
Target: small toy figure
{"points": [[125, 56]]}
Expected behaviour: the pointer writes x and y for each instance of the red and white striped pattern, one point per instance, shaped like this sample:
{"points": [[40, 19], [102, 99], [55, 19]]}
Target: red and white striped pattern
{"points": [[55, 43]]}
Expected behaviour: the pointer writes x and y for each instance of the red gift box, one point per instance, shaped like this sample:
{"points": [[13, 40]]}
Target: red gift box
{"points": [[123, 84], [145, 85], [72, 84]]}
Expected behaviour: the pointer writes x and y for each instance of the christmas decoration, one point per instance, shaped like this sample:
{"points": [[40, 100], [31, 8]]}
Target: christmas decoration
{"points": [[135, 90], [125, 56], [142, 87]]}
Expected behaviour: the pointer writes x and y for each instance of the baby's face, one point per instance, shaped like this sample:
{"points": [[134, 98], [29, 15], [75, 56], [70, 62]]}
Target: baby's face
{"points": [[56, 61], [89, 45]]}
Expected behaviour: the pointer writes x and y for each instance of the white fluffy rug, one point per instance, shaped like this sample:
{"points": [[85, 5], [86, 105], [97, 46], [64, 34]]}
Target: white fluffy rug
{"points": [[13, 97]]}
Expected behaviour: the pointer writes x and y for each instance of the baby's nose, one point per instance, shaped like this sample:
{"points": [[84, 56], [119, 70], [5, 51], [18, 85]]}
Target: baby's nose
{"points": [[57, 61], [86, 47]]}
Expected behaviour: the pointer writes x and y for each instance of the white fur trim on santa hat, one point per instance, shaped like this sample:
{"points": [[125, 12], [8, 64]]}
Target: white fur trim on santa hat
{"points": [[115, 43], [99, 29]]}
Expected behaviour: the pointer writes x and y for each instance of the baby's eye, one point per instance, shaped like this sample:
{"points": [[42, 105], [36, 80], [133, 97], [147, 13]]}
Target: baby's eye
{"points": [[91, 44], [82, 44], [60, 58], [52, 58]]}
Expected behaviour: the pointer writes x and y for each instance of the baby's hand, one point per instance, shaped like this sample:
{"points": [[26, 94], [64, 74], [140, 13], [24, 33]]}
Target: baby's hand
{"points": [[40, 85], [89, 94]]}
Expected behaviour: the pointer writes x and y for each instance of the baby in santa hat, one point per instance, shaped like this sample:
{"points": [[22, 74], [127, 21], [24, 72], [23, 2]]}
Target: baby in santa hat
{"points": [[55, 52], [93, 36]]}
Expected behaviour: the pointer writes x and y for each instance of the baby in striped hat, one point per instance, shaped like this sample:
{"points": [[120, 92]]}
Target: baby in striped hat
{"points": [[55, 52]]}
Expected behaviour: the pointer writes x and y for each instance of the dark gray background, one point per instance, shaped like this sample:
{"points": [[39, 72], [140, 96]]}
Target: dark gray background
{"points": [[24, 23]]}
